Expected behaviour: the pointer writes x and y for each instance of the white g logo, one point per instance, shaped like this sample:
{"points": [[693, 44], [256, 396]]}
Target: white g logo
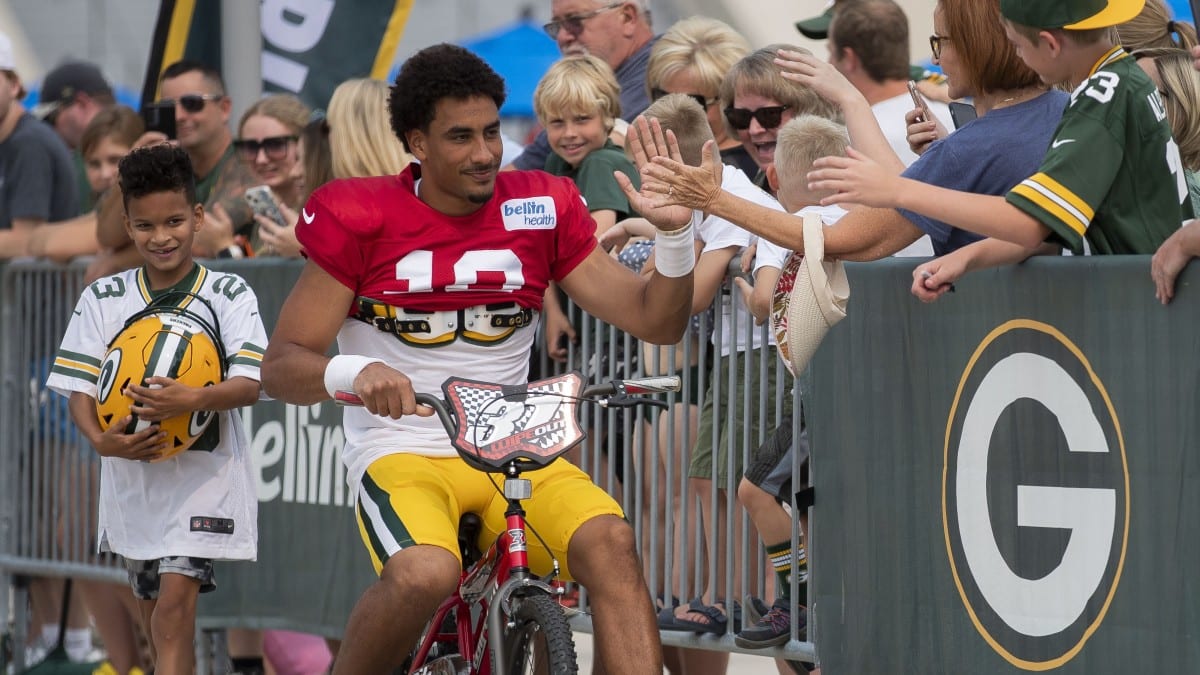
{"points": [[1041, 619]]}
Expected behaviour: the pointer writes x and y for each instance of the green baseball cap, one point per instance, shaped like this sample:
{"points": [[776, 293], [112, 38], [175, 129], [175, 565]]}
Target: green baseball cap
{"points": [[1070, 14], [817, 28]]}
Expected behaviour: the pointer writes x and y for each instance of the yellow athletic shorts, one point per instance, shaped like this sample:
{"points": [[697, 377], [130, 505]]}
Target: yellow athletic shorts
{"points": [[405, 500]]}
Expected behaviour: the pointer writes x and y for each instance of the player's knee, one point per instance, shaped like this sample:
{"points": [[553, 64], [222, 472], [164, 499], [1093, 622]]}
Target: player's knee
{"points": [[423, 570], [605, 543]]}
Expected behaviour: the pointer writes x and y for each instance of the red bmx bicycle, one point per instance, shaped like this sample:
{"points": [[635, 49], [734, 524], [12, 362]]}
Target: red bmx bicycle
{"points": [[503, 619]]}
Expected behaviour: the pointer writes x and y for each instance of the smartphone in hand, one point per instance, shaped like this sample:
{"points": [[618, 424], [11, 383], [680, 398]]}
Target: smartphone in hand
{"points": [[262, 202], [160, 118], [919, 101], [961, 113]]}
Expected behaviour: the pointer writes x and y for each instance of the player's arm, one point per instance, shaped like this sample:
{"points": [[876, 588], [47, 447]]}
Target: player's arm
{"points": [[163, 398], [856, 179], [144, 445], [295, 368], [654, 309]]}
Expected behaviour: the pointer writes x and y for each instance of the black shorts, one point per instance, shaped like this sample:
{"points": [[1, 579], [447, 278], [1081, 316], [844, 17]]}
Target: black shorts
{"points": [[771, 464]]}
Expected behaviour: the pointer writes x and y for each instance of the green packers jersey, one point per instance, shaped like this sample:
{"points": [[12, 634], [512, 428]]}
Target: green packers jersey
{"points": [[1112, 175]]}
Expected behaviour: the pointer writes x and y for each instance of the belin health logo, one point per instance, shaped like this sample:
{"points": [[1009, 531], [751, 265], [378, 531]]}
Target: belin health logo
{"points": [[533, 213], [1035, 495]]}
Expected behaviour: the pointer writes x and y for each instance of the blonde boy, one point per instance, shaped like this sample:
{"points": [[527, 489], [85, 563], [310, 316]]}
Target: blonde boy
{"points": [[578, 103], [801, 142]]}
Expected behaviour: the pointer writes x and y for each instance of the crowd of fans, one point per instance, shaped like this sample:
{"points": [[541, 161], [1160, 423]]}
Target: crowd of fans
{"points": [[792, 134]]}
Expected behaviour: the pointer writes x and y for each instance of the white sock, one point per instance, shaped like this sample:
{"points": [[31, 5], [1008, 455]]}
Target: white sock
{"points": [[78, 643], [49, 635]]}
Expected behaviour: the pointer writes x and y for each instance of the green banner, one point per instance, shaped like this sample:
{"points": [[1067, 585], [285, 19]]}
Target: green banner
{"points": [[312, 565], [1004, 479], [308, 48]]}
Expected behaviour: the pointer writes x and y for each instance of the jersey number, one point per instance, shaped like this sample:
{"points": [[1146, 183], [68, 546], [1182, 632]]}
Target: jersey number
{"points": [[473, 271], [1104, 84]]}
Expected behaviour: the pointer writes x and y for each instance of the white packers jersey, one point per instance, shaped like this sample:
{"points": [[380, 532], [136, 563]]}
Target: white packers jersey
{"points": [[200, 502]]}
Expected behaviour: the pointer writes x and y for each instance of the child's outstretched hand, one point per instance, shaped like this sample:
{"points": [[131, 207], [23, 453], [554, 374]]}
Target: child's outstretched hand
{"points": [[163, 399], [143, 446], [855, 179]]}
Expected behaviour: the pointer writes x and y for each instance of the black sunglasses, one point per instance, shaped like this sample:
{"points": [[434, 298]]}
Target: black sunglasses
{"points": [[935, 44], [769, 117], [656, 93], [276, 147], [192, 103], [573, 23]]}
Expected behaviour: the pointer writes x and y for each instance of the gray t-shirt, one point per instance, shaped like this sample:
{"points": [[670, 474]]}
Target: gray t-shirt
{"points": [[37, 177]]}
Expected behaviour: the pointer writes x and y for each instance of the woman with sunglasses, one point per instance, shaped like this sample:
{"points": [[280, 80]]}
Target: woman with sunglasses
{"points": [[1017, 115], [692, 58], [268, 143], [756, 100]]}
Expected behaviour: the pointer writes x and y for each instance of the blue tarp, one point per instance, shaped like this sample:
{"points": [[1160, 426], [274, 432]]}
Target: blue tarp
{"points": [[521, 53]]}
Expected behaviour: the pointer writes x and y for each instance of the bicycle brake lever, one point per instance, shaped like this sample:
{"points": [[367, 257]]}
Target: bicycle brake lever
{"points": [[627, 401]]}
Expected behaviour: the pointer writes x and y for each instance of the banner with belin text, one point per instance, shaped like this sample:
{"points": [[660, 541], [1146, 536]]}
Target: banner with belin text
{"points": [[1006, 479]]}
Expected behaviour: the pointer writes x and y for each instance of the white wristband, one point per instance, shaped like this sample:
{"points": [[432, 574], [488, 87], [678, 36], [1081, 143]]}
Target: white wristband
{"points": [[675, 252], [341, 371]]}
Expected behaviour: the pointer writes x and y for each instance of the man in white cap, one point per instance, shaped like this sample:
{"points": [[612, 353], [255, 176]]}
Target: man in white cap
{"points": [[37, 179]]}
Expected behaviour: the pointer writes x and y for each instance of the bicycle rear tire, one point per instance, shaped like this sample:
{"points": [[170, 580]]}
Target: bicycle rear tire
{"points": [[541, 635]]}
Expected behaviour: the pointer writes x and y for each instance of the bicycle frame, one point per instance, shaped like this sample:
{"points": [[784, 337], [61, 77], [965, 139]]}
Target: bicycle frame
{"points": [[489, 583]]}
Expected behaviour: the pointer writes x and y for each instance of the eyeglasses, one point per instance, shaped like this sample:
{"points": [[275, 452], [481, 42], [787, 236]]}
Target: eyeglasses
{"points": [[935, 44], [573, 23], [192, 103], [769, 117], [276, 147], [656, 93]]}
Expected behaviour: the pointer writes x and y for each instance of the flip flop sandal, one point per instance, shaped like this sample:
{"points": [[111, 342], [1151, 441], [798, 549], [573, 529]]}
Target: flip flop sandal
{"points": [[717, 620]]}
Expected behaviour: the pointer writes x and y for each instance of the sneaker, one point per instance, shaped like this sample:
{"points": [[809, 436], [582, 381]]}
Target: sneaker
{"points": [[772, 630]]}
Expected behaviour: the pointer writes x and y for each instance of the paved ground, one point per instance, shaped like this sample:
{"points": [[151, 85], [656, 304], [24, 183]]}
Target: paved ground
{"points": [[739, 664]]}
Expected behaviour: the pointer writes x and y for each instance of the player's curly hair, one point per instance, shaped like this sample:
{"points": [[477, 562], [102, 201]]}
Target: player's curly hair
{"points": [[435, 73], [156, 168]]}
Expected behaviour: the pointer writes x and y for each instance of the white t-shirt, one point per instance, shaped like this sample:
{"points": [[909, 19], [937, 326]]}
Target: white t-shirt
{"points": [[151, 510], [774, 255], [718, 233]]}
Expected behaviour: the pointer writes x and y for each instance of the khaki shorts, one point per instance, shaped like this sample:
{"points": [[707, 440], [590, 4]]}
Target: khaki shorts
{"points": [[715, 444], [407, 500]]}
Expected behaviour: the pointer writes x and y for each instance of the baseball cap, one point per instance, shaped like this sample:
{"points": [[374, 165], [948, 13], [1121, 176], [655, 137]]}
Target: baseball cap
{"points": [[61, 84], [1070, 14], [817, 28]]}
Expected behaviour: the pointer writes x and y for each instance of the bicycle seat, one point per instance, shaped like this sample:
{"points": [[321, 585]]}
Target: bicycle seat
{"points": [[469, 527]]}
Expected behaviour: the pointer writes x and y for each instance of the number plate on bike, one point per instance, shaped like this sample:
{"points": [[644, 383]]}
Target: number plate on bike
{"points": [[499, 423]]}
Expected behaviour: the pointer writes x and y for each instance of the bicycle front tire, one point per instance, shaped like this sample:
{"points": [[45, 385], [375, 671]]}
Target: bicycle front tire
{"points": [[540, 641]]}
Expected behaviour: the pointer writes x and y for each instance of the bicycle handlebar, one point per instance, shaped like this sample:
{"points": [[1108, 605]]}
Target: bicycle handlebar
{"points": [[613, 394]]}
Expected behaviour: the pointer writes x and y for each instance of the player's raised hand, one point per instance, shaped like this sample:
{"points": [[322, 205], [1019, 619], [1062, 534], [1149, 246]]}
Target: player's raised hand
{"points": [[645, 146], [695, 187]]}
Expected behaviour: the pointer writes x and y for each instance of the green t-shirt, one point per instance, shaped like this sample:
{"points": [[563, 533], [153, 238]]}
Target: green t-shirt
{"points": [[1112, 175], [594, 178], [87, 199]]}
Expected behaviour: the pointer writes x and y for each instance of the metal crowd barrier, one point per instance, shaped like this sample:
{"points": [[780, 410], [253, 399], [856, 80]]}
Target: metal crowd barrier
{"points": [[48, 476]]}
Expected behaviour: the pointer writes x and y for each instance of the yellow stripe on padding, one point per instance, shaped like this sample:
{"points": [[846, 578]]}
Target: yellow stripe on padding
{"points": [[391, 39]]}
